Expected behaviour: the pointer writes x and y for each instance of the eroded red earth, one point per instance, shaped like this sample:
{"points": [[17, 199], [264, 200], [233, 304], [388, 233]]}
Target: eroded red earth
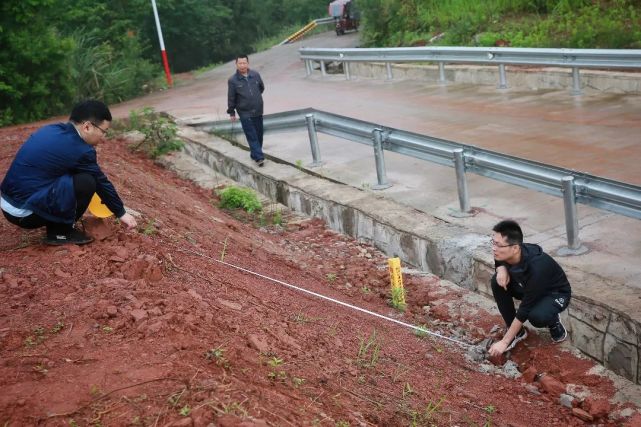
{"points": [[146, 327]]}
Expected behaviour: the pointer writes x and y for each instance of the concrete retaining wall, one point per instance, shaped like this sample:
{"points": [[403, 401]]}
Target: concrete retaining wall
{"points": [[449, 251], [620, 82]]}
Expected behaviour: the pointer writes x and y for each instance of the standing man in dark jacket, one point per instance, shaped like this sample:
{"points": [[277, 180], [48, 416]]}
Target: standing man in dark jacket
{"points": [[525, 272], [55, 174], [245, 96]]}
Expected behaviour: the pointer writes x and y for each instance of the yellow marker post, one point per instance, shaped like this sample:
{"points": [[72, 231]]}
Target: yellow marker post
{"points": [[396, 281], [97, 208]]}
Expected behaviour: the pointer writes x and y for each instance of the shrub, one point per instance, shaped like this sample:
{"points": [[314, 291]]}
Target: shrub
{"points": [[160, 133]]}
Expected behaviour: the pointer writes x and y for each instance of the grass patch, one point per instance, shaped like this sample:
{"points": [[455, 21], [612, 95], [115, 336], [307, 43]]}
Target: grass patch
{"points": [[240, 198]]}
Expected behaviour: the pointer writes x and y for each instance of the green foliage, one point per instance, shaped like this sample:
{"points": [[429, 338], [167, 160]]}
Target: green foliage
{"points": [[33, 63], [612, 24], [237, 197], [160, 132]]}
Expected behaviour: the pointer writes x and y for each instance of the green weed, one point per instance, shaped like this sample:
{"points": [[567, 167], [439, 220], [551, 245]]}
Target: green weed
{"points": [[185, 411], [149, 229], [331, 277], [398, 295], [426, 416], [57, 327], [239, 198], [277, 217], [235, 408], [422, 332], [368, 351], [218, 354]]}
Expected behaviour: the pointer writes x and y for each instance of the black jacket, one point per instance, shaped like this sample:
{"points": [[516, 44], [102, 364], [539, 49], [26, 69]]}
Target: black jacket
{"points": [[537, 275], [244, 94]]}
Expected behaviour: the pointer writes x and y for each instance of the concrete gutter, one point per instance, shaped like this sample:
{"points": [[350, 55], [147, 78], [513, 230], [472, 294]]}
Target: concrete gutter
{"points": [[604, 326]]}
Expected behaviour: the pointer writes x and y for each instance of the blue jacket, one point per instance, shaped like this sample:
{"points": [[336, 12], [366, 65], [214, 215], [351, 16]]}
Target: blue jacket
{"points": [[41, 176], [244, 94]]}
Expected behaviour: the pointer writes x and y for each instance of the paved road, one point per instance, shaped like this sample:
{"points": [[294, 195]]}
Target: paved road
{"points": [[596, 133]]}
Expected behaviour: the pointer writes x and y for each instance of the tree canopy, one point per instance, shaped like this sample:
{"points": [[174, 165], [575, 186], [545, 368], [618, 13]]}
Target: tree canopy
{"points": [[56, 52]]}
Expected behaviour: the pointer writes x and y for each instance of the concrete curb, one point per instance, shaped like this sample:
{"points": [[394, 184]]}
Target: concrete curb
{"points": [[600, 329], [518, 77]]}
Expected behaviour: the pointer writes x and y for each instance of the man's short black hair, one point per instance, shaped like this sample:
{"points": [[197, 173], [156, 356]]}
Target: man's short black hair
{"points": [[242, 56], [91, 110], [510, 230]]}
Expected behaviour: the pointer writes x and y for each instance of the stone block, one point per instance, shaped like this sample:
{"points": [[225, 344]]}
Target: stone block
{"points": [[529, 375], [624, 329], [580, 413], [621, 357], [598, 408], [587, 339], [552, 386], [592, 314]]}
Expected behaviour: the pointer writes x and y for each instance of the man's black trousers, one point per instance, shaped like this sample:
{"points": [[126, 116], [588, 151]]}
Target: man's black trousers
{"points": [[543, 314], [84, 186]]}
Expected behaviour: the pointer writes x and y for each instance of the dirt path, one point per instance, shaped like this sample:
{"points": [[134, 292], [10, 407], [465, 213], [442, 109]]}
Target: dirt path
{"points": [[147, 328]]}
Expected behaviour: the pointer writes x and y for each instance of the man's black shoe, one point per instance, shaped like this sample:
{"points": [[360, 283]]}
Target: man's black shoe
{"points": [[517, 339], [74, 237], [260, 162], [558, 331]]}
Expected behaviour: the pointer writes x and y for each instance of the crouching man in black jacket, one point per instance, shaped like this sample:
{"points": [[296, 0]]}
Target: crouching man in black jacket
{"points": [[525, 272]]}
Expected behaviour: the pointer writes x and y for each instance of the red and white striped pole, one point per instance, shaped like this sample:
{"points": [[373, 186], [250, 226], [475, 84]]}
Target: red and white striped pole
{"points": [[162, 44]]}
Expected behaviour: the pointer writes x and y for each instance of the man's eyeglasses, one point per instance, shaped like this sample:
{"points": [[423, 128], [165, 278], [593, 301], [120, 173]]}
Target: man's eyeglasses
{"points": [[104, 132], [498, 245]]}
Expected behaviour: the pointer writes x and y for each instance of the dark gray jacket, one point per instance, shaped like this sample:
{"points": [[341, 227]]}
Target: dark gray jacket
{"points": [[244, 94]]}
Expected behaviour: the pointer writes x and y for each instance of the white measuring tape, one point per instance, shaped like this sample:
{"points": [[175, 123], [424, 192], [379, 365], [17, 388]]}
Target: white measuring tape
{"points": [[344, 304]]}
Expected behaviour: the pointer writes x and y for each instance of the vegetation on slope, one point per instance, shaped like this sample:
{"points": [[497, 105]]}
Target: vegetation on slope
{"points": [[599, 24]]}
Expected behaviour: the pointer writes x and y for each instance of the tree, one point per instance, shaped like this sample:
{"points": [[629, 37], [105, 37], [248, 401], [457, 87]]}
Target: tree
{"points": [[34, 81]]}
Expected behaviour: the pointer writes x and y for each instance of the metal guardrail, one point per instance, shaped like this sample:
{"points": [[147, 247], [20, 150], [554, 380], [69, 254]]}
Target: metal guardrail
{"points": [[307, 28], [574, 187], [501, 56]]}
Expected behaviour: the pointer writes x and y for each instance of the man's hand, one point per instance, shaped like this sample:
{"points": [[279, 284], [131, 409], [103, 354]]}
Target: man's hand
{"points": [[498, 348], [128, 220], [232, 118], [502, 276]]}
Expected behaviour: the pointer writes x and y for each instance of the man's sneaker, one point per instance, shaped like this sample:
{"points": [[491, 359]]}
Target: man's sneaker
{"points": [[260, 162], [74, 237], [517, 339], [558, 331]]}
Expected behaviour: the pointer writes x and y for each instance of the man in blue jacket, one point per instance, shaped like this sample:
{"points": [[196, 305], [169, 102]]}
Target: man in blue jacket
{"points": [[245, 96], [55, 174], [525, 272]]}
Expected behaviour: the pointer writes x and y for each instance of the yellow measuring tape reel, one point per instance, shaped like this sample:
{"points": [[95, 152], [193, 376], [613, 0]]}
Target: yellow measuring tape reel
{"points": [[97, 208]]}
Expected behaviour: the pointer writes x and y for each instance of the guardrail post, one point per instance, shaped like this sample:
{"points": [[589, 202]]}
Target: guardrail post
{"points": [[461, 182], [388, 68], [576, 81], [381, 175], [323, 71], [571, 220], [346, 69], [502, 79], [313, 140], [308, 67], [441, 73]]}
